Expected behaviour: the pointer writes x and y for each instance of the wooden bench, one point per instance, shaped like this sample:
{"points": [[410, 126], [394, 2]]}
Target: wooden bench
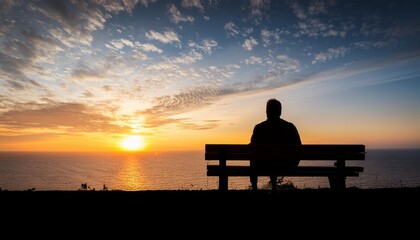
{"points": [[336, 170]]}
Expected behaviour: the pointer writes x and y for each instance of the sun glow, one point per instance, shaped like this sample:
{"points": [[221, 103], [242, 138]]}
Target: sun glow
{"points": [[133, 143]]}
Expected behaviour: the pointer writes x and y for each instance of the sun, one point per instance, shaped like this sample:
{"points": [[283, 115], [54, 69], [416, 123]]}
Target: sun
{"points": [[133, 143]]}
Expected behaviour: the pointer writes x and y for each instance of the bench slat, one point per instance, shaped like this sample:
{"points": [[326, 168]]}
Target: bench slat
{"points": [[215, 170], [278, 152], [305, 148], [280, 156]]}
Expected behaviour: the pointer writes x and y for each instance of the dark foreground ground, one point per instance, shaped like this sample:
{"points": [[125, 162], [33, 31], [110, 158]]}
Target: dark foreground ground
{"points": [[204, 214]]}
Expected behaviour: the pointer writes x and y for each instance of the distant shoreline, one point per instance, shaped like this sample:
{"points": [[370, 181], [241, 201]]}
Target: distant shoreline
{"points": [[320, 192], [157, 150]]}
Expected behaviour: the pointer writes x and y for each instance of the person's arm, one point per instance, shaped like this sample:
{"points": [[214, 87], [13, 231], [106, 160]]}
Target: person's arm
{"points": [[255, 138], [296, 136]]}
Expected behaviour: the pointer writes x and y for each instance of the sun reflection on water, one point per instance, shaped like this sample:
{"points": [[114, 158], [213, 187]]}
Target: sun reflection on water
{"points": [[132, 177]]}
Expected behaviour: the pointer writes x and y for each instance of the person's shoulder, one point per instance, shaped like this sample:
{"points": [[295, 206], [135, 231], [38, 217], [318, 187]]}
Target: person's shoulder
{"points": [[260, 124], [287, 123]]}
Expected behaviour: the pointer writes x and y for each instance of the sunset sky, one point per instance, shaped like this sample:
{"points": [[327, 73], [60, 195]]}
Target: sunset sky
{"points": [[84, 75]]}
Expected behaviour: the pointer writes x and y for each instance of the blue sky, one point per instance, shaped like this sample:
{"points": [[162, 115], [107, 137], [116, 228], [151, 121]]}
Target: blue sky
{"points": [[346, 71]]}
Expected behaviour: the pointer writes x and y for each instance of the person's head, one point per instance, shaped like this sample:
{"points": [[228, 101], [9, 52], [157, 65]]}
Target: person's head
{"points": [[273, 108]]}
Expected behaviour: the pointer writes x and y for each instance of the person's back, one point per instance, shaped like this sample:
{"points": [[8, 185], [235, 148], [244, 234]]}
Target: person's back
{"points": [[274, 130]]}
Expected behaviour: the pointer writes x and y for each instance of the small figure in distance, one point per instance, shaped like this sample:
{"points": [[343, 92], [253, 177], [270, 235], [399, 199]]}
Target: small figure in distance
{"points": [[274, 130]]}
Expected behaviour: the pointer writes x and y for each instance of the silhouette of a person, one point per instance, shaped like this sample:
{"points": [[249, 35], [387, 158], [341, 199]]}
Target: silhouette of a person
{"points": [[274, 130]]}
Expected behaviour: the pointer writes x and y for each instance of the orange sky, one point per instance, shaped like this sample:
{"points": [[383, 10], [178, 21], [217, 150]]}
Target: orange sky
{"points": [[82, 76]]}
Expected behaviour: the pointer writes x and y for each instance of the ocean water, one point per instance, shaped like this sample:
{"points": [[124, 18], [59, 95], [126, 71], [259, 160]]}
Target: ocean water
{"points": [[383, 168]]}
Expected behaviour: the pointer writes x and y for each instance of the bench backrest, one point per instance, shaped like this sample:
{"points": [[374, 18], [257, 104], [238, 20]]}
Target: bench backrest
{"points": [[278, 152]]}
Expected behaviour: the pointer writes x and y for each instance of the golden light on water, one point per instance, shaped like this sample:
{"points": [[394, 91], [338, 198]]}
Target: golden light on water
{"points": [[133, 143], [131, 175]]}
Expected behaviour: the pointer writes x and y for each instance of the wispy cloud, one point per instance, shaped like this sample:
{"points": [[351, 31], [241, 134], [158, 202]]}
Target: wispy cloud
{"points": [[13, 73], [250, 43], [62, 117], [207, 45], [316, 7], [165, 37], [22, 137], [312, 26], [122, 5], [193, 3], [189, 58], [148, 47], [166, 107], [203, 125], [231, 29], [330, 54], [270, 36], [87, 74], [253, 60], [176, 16], [258, 6], [91, 17]]}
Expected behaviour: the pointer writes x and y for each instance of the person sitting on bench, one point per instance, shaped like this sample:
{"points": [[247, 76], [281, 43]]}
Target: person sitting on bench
{"points": [[274, 130]]}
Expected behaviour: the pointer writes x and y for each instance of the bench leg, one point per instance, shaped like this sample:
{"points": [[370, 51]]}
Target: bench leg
{"points": [[254, 183], [223, 183], [337, 182]]}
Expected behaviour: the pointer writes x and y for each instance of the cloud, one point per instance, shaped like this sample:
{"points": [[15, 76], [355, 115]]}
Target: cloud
{"points": [[110, 68], [73, 22], [116, 6], [316, 7], [138, 55], [207, 45], [87, 74], [298, 10], [163, 67], [79, 23], [8, 5], [118, 44], [88, 94], [25, 57], [267, 35], [188, 100], [249, 44], [278, 74], [148, 47], [166, 37], [33, 47], [253, 60], [7, 139], [227, 72], [330, 54], [189, 58], [231, 29], [62, 117], [13, 74], [170, 67], [314, 27], [206, 124], [193, 3], [257, 7], [176, 16], [115, 44], [6, 23]]}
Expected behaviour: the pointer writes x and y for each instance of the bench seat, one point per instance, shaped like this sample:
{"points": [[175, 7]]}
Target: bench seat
{"points": [[233, 160]]}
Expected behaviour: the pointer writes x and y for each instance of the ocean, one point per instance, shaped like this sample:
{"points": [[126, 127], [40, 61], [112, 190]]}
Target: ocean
{"points": [[383, 168]]}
